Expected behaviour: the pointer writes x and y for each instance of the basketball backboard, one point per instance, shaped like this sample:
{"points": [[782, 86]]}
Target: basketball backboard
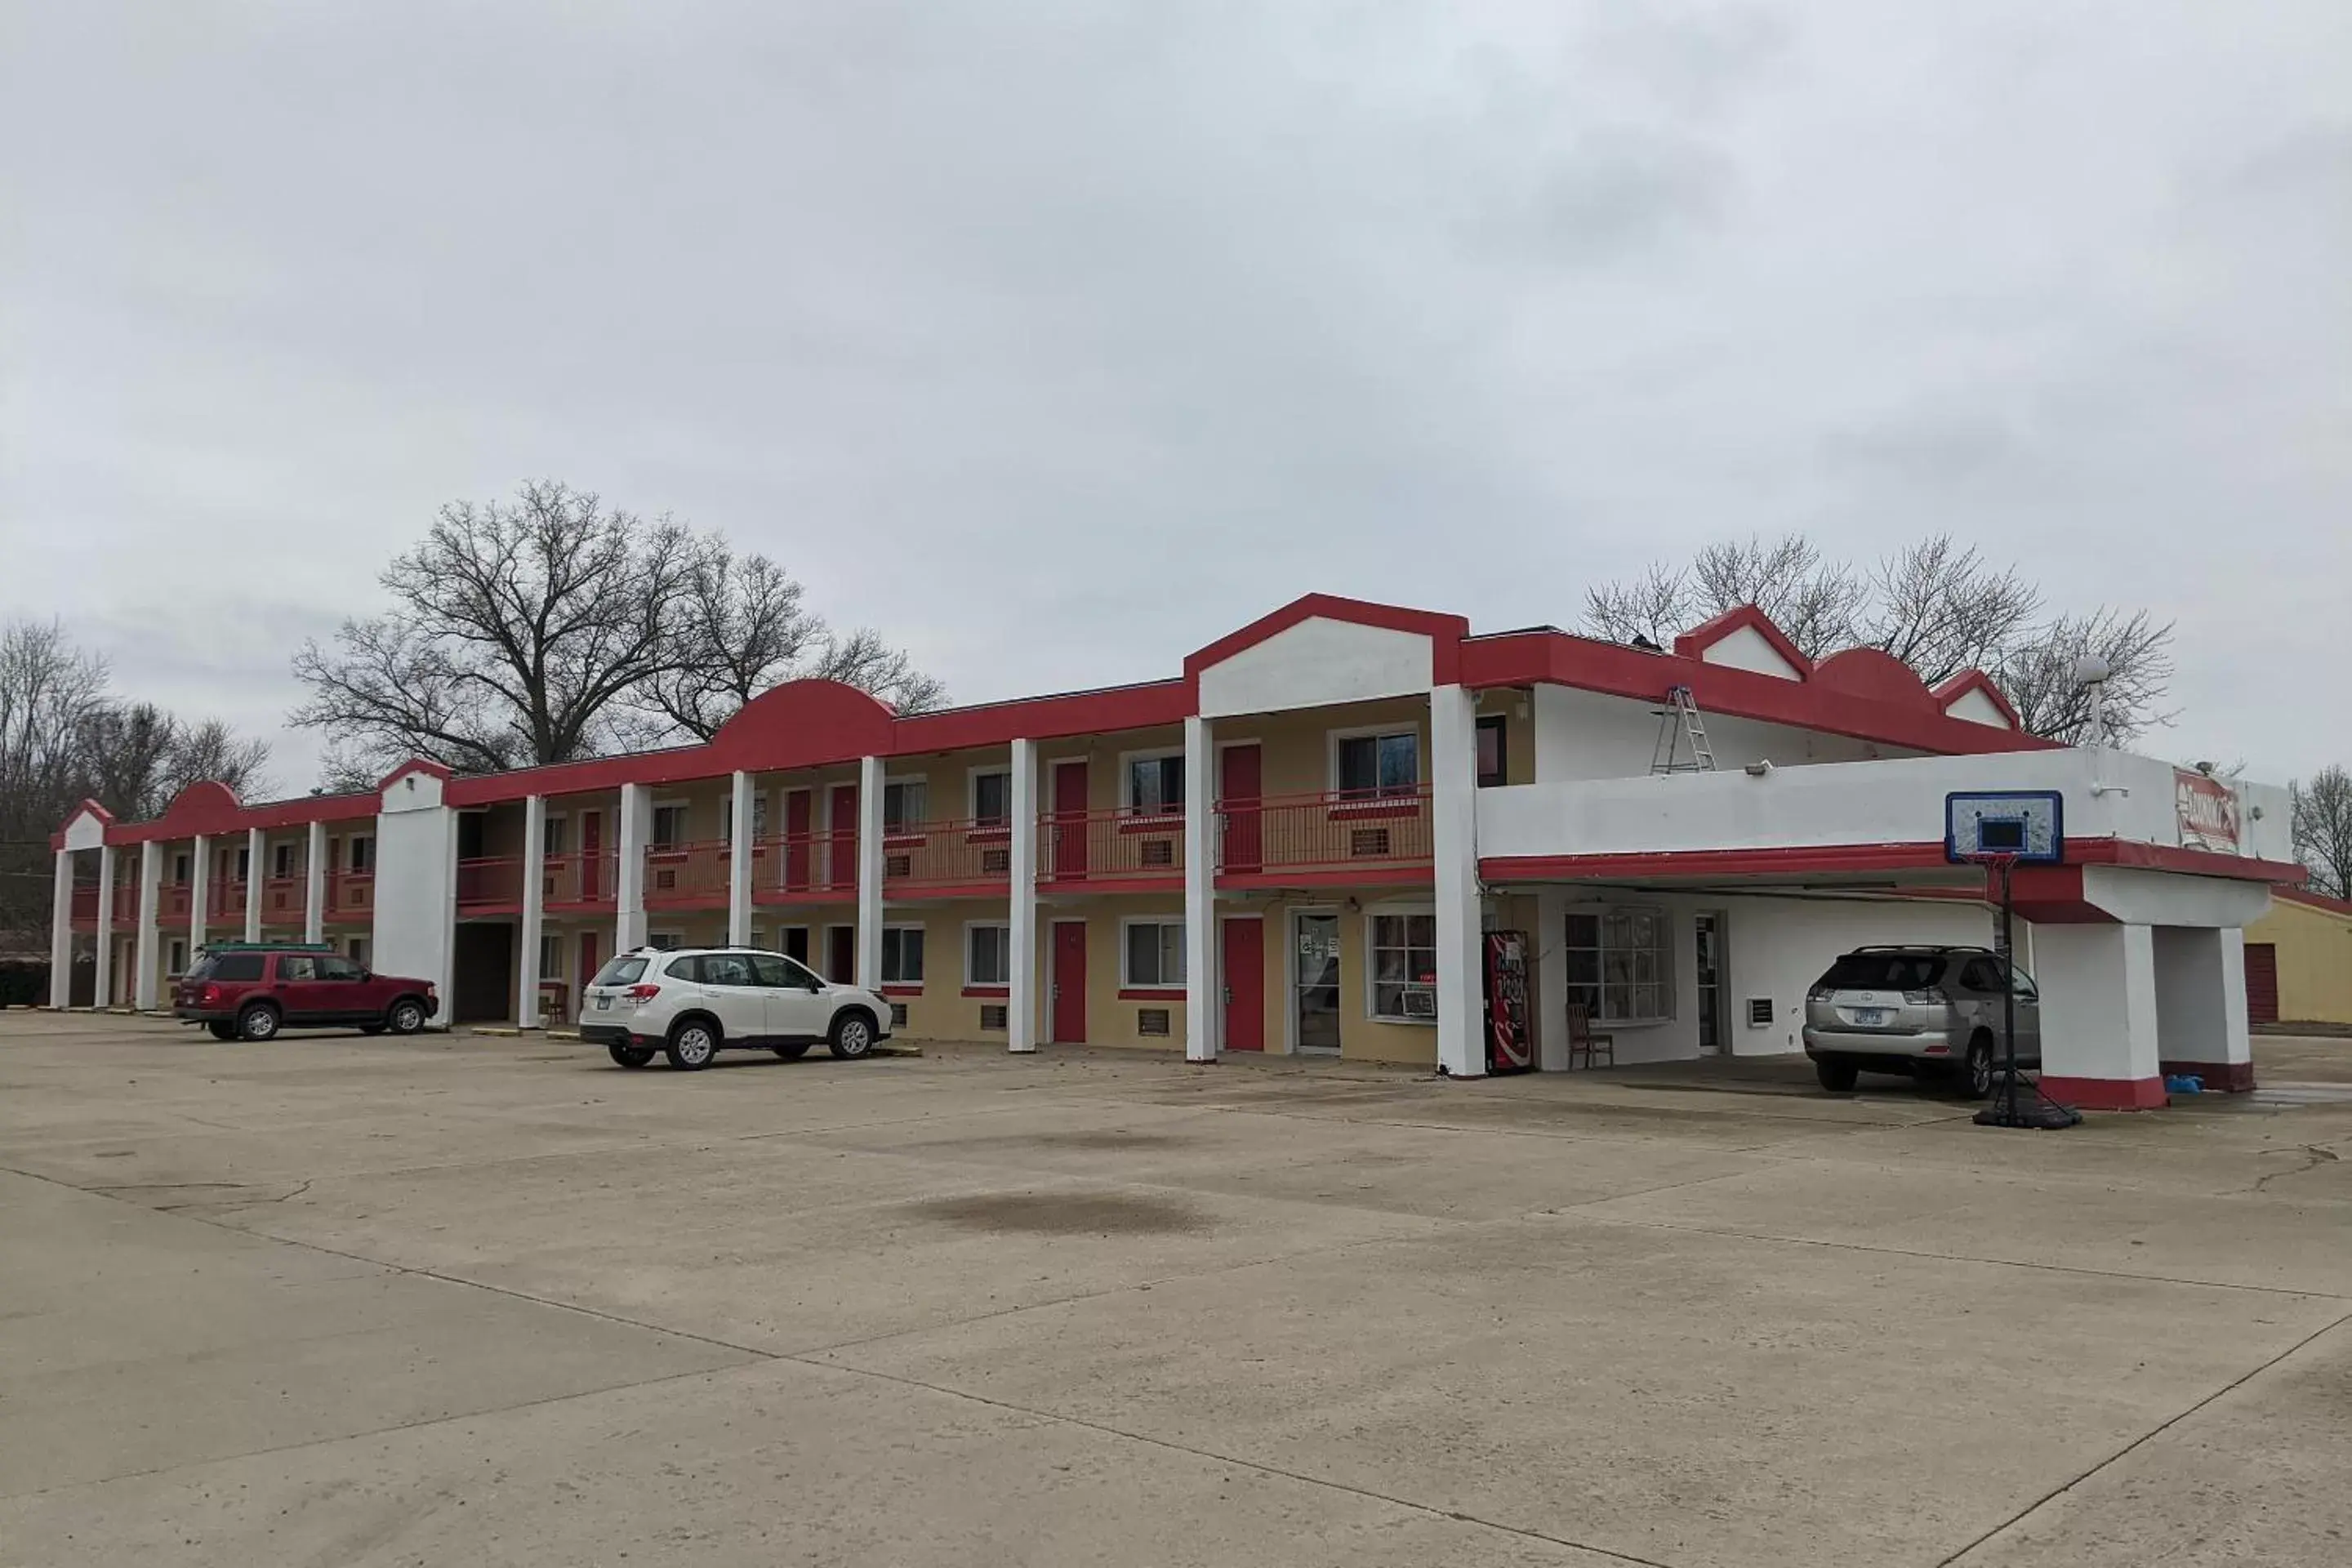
{"points": [[2024, 825]]}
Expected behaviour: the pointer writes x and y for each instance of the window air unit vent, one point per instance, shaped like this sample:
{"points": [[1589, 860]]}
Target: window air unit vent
{"points": [[1157, 852], [995, 862], [666, 879], [1759, 1011], [992, 1015], [897, 1014], [1367, 843], [897, 865], [1151, 1022]]}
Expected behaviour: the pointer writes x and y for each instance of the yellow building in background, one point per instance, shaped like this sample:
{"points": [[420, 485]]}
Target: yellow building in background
{"points": [[2299, 961]]}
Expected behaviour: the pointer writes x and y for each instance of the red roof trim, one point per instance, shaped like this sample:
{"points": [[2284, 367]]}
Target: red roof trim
{"points": [[1799, 859], [1969, 681], [2186, 862], [1694, 643], [2315, 900], [1445, 632]]}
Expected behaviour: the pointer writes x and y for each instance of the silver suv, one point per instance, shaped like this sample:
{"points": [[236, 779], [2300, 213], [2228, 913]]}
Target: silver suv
{"points": [[692, 1003], [1914, 1010]]}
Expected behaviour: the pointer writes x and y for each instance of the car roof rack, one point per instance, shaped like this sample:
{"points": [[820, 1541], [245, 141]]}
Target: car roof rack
{"points": [[270, 947]]}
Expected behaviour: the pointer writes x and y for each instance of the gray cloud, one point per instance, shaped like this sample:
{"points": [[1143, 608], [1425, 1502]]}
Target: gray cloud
{"points": [[1056, 339]]}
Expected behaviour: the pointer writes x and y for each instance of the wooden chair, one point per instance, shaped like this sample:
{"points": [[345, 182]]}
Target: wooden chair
{"points": [[1580, 1038]]}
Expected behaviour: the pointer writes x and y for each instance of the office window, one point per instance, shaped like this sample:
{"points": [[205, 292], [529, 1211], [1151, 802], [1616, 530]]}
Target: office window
{"points": [[1152, 954], [1493, 759], [1404, 966], [1619, 963], [669, 826], [991, 799], [904, 805], [1374, 766], [988, 957], [902, 955], [1155, 785]]}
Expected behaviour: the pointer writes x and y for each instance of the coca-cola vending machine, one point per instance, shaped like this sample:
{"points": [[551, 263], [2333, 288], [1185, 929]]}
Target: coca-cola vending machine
{"points": [[1510, 1020]]}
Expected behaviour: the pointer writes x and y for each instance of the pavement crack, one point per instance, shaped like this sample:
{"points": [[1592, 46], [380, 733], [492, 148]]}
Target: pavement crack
{"points": [[2314, 1155]]}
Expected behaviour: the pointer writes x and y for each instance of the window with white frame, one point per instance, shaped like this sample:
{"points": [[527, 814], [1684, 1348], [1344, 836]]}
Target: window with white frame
{"points": [[181, 868], [906, 803], [553, 837], [759, 816], [664, 941], [281, 860], [551, 955], [668, 826], [362, 852], [1404, 965], [988, 955], [991, 799], [1366, 767], [1152, 954], [902, 955], [1154, 786], [1621, 962], [175, 957]]}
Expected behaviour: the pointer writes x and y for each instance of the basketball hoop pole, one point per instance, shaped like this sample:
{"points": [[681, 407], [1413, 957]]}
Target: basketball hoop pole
{"points": [[2007, 991]]}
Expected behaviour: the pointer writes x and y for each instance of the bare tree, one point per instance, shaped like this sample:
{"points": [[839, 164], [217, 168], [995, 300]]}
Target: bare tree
{"points": [[1937, 606], [552, 628], [2322, 829]]}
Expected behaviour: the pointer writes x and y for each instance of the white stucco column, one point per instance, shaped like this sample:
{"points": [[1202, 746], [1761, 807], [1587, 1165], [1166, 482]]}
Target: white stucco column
{"points": [[200, 892], [2098, 1015], [1453, 822], [415, 927], [1021, 1005], [256, 845], [61, 933], [869, 873], [629, 887], [738, 864], [102, 988], [314, 884], [534, 910], [1550, 959], [147, 947], [2200, 1005], [1203, 986]]}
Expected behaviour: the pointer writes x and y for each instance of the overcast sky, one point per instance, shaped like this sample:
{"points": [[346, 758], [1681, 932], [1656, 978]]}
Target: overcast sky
{"points": [[1058, 339]]}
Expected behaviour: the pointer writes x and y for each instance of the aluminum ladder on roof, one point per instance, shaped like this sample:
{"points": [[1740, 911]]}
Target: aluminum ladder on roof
{"points": [[1680, 720]]}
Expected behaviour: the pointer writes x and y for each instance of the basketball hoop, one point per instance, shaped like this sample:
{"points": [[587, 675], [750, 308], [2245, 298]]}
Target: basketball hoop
{"points": [[2002, 830]]}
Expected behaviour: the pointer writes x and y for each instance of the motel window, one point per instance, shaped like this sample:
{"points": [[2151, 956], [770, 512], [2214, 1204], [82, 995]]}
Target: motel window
{"points": [[1372, 765], [727, 818], [664, 941], [551, 838], [1494, 759], [669, 826], [1619, 963], [904, 805], [359, 948], [281, 860], [1154, 954], [175, 957], [551, 955], [991, 799], [363, 855], [1155, 785], [902, 955], [244, 864], [988, 955], [1404, 966], [180, 870]]}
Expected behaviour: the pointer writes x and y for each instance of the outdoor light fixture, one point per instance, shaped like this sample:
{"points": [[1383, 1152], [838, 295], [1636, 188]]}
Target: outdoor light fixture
{"points": [[1756, 770]]}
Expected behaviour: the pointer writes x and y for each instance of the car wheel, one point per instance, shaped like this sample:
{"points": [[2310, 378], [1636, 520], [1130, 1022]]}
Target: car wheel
{"points": [[1976, 1072], [794, 1051], [407, 1016], [222, 1031], [692, 1045], [853, 1035], [257, 1023], [631, 1055], [1836, 1073]]}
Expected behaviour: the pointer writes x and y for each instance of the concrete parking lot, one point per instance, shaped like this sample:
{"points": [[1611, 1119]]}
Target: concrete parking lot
{"points": [[478, 1301]]}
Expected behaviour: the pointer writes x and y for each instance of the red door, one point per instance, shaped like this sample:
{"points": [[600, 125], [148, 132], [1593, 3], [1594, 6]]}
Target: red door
{"points": [[1244, 966], [1070, 982], [797, 806], [840, 955], [842, 870], [1069, 820], [591, 855], [1237, 797], [2261, 983]]}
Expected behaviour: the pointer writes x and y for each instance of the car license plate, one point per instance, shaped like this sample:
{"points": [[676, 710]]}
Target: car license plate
{"points": [[603, 1003], [1870, 1017]]}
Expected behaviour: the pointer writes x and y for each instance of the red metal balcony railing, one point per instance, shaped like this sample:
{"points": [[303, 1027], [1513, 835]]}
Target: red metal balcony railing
{"points": [[351, 893], [793, 866], [937, 857], [1326, 833], [1110, 846], [582, 880], [282, 900], [490, 882], [174, 901], [686, 875], [225, 900], [85, 905]]}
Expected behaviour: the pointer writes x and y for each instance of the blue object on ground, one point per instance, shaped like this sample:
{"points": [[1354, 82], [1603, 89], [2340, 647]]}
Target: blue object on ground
{"points": [[2184, 1083]]}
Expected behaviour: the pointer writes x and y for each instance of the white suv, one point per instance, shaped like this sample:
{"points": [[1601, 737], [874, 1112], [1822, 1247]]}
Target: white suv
{"points": [[692, 1003]]}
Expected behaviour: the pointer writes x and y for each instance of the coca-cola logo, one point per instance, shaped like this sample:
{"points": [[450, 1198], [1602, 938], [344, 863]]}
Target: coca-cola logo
{"points": [[2207, 809]]}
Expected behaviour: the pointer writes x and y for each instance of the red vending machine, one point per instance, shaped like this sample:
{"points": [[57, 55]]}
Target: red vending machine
{"points": [[1510, 1020]]}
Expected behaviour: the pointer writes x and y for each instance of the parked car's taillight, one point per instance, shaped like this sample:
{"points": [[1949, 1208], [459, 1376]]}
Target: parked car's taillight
{"points": [[644, 993], [1928, 998], [1820, 993], [208, 995]]}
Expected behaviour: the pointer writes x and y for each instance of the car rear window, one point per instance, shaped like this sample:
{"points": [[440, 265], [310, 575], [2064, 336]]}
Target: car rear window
{"points": [[227, 966], [623, 971], [1884, 972]]}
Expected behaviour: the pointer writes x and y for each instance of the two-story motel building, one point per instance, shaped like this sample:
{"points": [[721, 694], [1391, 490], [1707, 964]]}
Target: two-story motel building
{"points": [[1291, 846]]}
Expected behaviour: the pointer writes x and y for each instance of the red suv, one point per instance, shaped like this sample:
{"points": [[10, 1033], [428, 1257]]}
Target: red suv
{"points": [[242, 992]]}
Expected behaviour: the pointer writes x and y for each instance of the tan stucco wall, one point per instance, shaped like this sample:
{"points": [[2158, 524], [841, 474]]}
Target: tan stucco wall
{"points": [[2315, 960]]}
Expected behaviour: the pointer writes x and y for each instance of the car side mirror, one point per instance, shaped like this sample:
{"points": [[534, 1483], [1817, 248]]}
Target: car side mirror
{"points": [[815, 986]]}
